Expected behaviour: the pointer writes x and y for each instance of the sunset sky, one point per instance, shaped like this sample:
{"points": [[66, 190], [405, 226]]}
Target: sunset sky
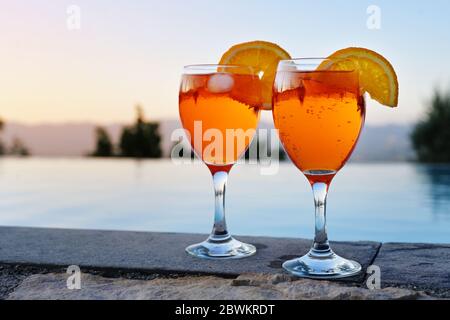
{"points": [[129, 52]]}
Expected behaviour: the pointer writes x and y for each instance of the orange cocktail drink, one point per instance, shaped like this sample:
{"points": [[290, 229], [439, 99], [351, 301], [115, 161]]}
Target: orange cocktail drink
{"points": [[319, 115], [219, 109], [319, 110]]}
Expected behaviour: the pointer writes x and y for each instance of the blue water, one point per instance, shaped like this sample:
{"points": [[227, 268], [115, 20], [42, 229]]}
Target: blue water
{"points": [[384, 202]]}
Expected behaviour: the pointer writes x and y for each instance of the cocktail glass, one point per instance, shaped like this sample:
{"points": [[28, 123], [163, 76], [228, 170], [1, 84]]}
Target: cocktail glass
{"points": [[219, 109], [319, 113]]}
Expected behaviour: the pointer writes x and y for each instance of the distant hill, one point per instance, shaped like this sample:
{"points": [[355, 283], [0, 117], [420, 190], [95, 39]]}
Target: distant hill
{"points": [[377, 143], [384, 143], [71, 139]]}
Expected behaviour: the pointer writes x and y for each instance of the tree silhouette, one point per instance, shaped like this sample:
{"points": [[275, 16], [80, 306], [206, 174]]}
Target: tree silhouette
{"points": [[431, 137], [180, 154], [261, 147], [141, 140], [104, 146], [18, 148], [283, 155]]}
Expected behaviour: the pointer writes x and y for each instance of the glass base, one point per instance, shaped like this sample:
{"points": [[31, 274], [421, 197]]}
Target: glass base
{"points": [[224, 249], [319, 265]]}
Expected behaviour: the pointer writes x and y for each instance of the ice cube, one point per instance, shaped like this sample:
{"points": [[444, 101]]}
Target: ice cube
{"points": [[220, 83]]}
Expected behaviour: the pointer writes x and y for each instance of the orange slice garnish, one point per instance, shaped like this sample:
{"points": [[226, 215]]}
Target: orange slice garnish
{"points": [[263, 57], [376, 74]]}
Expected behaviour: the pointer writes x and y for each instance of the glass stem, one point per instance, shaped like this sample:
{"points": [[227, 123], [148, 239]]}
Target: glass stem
{"points": [[321, 245], [219, 232]]}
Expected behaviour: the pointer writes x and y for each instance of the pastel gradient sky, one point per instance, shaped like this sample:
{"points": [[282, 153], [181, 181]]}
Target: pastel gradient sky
{"points": [[129, 52]]}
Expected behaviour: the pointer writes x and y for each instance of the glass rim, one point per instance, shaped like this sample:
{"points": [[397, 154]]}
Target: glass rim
{"points": [[209, 69], [312, 58], [309, 62], [207, 66]]}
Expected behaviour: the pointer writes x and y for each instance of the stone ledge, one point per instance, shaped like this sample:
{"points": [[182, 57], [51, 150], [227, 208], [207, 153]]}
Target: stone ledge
{"points": [[425, 266], [27, 253], [155, 252]]}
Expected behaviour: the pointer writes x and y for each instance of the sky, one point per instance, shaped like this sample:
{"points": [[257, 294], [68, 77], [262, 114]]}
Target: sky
{"points": [[128, 52]]}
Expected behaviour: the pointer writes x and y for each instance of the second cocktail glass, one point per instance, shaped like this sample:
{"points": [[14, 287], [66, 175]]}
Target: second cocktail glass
{"points": [[219, 109], [319, 113]]}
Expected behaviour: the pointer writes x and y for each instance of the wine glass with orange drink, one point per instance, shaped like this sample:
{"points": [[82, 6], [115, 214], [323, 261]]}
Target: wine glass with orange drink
{"points": [[319, 111], [219, 108]]}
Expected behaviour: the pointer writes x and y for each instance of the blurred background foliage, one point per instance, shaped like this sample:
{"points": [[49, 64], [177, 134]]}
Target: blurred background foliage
{"points": [[431, 137], [139, 140]]}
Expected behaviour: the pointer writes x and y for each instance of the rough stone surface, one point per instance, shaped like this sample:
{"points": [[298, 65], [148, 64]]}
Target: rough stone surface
{"points": [[10, 278], [156, 252], [248, 286], [415, 265]]}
